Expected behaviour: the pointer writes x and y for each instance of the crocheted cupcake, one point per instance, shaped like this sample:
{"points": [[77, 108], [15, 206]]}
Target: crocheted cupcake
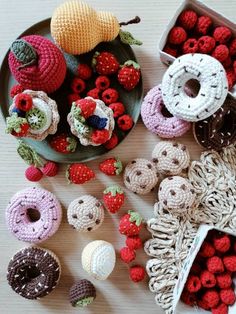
{"points": [[91, 121], [37, 64], [32, 114]]}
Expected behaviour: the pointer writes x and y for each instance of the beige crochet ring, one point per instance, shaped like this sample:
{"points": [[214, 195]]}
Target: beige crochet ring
{"points": [[85, 213], [170, 158], [140, 176], [211, 76], [177, 194]]}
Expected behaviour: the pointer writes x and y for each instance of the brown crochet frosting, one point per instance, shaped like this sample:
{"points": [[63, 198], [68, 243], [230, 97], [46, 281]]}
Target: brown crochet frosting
{"points": [[219, 130], [82, 293], [33, 272]]}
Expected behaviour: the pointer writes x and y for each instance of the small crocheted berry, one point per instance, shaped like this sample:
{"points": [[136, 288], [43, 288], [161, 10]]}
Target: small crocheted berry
{"points": [[195, 269], [78, 85], [190, 46], [231, 77], [203, 25], [230, 263], [188, 298], [211, 297], [87, 107], [105, 63], [111, 166], [112, 142], [110, 95], [137, 273], [220, 309], [72, 98], [125, 122], [222, 34], [113, 198], [206, 44], [227, 63], [23, 102], [134, 242], [221, 53], [227, 296], [130, 224], [215, 265], [188, 19], [171, 51], [84, 71], [33, 174], [129, 75], [232, 48], [97, 122], [79, 173], [100, 136], [50, 169], [221, 243], [102, 82], [94, 93], [63, 143], [127, 255], [207, 250], [16, 89], [224, 280], [203, 304], [193, 284], [118, 109], [177, 35], [208, 279]]}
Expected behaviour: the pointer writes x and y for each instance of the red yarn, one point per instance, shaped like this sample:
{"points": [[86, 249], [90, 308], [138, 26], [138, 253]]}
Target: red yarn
{"points": [[221, 53], [206, 44], [231, 76], [33, 174], [207, 250], [232, 48], [222, 34], [234, 66], [100, 136], [50, 169], [118, 109], [215, 265], [224, 280], [230, 263], [188, 19], [127, 255], [195, 269], [190, 46], [134, 242], [112, 142], [49, 72], [203, 304], [171, 51], [110, 96], [72, 98], [125, 122], [227, 296], [193, 284], [227, 63], [16, 89], [220, 309], [211, 298], [203, 25], [78, 85], [94, 93], [208, 280], [188, 298], [221, 242], [84, 71], [102, 82], [177, 35], [23, 102], [137, 273]]}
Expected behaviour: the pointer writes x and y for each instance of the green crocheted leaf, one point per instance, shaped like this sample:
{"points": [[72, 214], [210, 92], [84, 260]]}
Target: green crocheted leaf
{"points": [[29, 155], [24, 52], [72, 144], [135, 217], [76, 111], [127, 38], [82, 128], [114, 189], [119, 167], [84, 302], [132, 63], [14, 123]]}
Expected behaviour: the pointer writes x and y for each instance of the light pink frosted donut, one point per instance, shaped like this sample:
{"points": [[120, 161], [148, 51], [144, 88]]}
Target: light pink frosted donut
{"points": [[151, 112], [19, 222]]}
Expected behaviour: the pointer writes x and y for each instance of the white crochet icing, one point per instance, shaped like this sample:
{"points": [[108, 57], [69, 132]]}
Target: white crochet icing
{"points": [[103, 262]]}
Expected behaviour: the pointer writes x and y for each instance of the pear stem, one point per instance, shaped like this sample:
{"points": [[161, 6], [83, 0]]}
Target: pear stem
{"points": [[136, 20]]}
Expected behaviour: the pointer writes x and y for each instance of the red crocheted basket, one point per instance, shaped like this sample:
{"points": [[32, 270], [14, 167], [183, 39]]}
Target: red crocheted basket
{"points": [[37, 64]]}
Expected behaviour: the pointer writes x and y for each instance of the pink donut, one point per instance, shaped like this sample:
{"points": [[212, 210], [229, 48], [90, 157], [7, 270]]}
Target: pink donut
{"points": [[44, 203], [155, 121]]}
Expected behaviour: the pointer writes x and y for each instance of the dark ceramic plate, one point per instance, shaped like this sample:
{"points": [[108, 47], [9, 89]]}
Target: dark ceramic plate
{"points": [[132, 100]]}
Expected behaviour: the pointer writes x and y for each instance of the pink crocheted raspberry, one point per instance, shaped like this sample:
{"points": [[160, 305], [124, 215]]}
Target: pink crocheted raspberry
{"points": [[33, 174], [171, 51], [134, 242], [187, 19], [232, 48], [72, 98], [211, 298], [78, 85], [222, 34], [112, 142], [127, 255], [207, 250], [206, 44], [230, 263], [221, 243], [118, 108], [16, 89], [102, 82], [125, 122], [215, 265], [208, 279], [193, 284], [227, 63], [137, 273], [220, 309], [203, 25], [231, 77], [94, 93], [110, 96], [177, 35], [188, 298], [227, 296], [224, 280], [50, 169], [190, 46], [221, 53]]}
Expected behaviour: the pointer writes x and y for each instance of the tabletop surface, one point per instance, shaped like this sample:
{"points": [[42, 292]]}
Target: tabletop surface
{"points": [[117, 294]]}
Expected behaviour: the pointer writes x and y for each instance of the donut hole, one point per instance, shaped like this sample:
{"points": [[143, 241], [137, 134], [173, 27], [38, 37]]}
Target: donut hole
{"points": [[194, 86], [165, 112], [32, 272], [33, 214]]}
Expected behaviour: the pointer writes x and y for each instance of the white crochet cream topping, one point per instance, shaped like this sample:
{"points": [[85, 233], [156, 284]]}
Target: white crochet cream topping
{"points": [[213, 178]]}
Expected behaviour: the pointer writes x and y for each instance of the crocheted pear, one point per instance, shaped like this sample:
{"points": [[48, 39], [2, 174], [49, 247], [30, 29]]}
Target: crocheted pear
{"points": [[77, 28]]}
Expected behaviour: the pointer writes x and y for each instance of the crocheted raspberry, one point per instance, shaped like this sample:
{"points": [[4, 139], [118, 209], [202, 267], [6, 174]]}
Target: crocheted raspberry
{"points": [[84, 71], [208, 279], [16, 89], [118, 108], [134, 242], [224, 280], [112, 142], [207, 250], [222, 34], [206, 44], [220, 309], [137, 273], [195, 269], [94, 93], [78, 85], [125, 122], [221, 53], [188, 298], [230, 262], [177, 35], [100, 136], [227, 296], [171, 51], [221, 243], [190, 46], [203, 25], [102, 82], [72, 98], [188, 19], [193, 284], [33, 174], [231, 77], [203, 304], [23, 102], [110, 95], [227, 63], [50, 169], [215, 265], [211, 298], [232, 48], [127, 255]]}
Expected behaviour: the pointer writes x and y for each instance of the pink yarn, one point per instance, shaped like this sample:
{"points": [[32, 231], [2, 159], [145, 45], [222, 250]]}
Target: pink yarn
{"points": [[151, 112], [19, 223]]}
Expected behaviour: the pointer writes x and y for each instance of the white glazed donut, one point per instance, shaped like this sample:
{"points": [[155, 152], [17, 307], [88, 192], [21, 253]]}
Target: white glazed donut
{"points": [[211, 76]]}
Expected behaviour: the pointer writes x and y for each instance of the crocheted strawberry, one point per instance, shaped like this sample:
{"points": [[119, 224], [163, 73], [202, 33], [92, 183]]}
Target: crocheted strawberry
{"points": [[111, 166], [129, 75], [113, 197], [79, 173], [17, 126], [131, 223], [84, 71], [63, 143], [105, 63], [86, 106]]}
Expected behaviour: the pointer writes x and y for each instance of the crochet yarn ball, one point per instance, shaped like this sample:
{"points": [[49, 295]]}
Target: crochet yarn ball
{"points": [[82, 293], [98, 259], [85, 213], [170, 158], [140, 176], [177, 194], [37, 64], [77, 28]]}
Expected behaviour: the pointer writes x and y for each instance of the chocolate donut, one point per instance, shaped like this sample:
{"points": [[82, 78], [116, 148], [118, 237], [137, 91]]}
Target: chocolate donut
{"points": [[219, 130], [82, 293], [33, 272]]}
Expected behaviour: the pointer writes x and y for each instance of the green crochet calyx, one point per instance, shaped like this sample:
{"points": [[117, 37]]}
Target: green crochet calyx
{"points": [[135, 217], [14, 123], [72, 144], [119, 166], [114, 189]]}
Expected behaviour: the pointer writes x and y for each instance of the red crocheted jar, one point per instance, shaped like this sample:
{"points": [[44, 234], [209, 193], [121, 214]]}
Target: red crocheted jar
{"points": [[37, 64]]}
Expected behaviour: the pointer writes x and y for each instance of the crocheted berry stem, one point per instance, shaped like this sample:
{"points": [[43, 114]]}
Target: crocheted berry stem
{"points": [[135, 20]]}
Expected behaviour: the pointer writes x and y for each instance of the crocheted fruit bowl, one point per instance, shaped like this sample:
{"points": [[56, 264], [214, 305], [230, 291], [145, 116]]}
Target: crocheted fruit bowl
{"points": [[131, 99]]}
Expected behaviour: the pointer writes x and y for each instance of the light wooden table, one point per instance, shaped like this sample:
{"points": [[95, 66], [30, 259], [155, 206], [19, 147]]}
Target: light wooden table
{"points": [[118, 294]]}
